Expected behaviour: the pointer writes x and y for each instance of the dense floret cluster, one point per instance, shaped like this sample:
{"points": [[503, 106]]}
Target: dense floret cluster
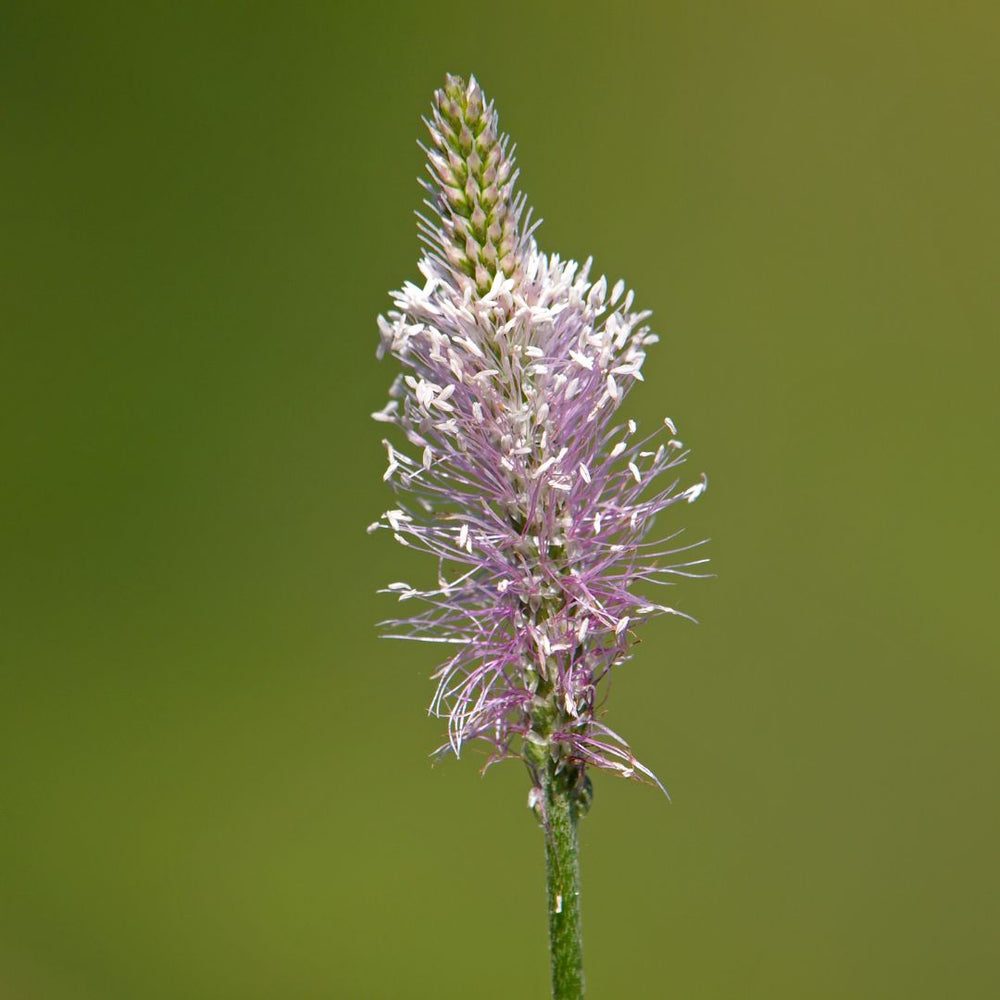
{"points": [[536, 502]]}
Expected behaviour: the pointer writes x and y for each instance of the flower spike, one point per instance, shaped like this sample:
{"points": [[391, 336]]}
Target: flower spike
{"points": [[536, 502]]}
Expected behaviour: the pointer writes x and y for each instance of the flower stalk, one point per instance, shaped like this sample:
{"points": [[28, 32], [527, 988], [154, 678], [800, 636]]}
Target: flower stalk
{"points": [[562, 872]]}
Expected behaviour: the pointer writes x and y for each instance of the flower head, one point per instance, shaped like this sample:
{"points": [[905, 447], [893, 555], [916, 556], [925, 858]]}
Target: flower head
{"points": [[536, 502]]}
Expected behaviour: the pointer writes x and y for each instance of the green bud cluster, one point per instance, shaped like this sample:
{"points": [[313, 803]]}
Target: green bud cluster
{"points": [[472, 187]]}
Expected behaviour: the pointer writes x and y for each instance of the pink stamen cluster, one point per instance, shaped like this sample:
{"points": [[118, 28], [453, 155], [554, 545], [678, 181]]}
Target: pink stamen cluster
{"points": [[535, 501]]}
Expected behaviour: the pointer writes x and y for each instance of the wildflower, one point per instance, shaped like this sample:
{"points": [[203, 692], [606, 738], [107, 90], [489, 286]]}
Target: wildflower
{"points": [[536, 502]]}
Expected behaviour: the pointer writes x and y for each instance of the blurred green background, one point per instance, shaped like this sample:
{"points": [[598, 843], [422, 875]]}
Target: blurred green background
{"points": [[214, 778]]}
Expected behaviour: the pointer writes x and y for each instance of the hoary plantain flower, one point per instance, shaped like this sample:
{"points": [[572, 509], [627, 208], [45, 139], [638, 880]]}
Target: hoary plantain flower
{"points": [[518, 477]]}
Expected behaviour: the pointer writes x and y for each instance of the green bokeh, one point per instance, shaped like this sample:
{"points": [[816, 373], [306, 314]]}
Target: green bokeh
{"points": [[215, 780]]}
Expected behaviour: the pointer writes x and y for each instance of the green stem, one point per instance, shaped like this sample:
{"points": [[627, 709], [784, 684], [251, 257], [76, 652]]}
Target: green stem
{"points": [[562, 869]]}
